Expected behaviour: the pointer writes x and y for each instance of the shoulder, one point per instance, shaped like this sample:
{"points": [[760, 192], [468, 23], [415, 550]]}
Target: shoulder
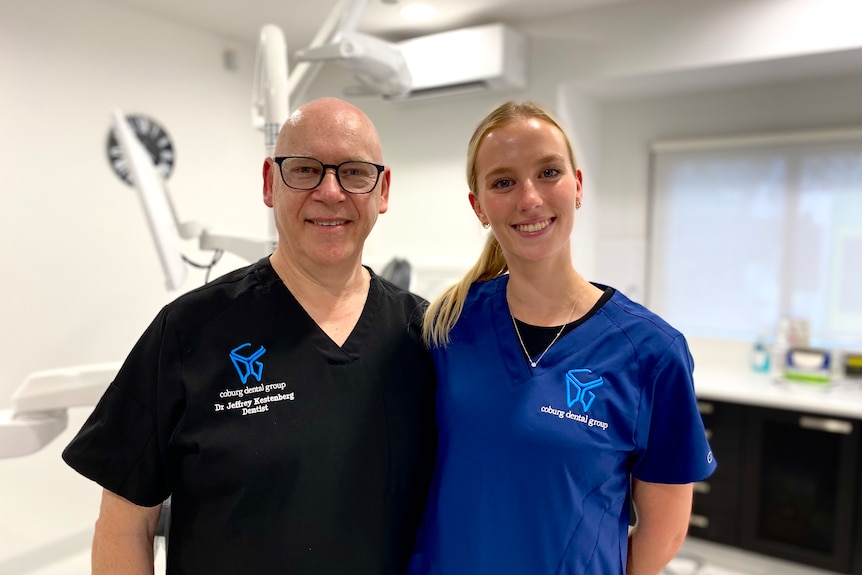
{"points": [[392, 294], [481, 293], [637, 318], [385, 296], [210, 300], [649, 335]]}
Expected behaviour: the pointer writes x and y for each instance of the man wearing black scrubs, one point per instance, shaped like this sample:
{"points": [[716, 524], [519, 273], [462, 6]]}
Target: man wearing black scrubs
{"points": [[286, 407]]}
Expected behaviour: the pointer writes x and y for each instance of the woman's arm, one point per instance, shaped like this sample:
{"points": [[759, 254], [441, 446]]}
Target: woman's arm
{"points": [[662, 512]]}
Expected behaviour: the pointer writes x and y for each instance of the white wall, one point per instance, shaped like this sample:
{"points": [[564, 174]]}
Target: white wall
{"points": [[81, 280], [80, 276]]}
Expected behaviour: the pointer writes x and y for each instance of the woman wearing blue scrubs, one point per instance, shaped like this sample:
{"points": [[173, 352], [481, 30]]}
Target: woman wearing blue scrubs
{"points": [[560, 402]]}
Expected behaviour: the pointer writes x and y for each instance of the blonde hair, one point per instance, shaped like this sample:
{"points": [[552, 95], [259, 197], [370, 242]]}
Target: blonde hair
{"points": [[443, 312]]}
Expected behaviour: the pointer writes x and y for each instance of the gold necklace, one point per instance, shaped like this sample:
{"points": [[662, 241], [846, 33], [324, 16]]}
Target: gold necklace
{"points": [[553, 341]]}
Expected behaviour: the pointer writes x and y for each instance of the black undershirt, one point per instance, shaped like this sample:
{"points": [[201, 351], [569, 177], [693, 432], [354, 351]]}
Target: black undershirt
{"points": [[537, 338]]}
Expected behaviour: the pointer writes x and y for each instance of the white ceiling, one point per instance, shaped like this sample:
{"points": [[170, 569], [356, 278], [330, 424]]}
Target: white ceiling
{"points": [[301, 19], [634, 27]]}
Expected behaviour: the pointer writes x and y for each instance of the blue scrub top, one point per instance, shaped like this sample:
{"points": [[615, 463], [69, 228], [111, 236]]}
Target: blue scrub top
{"points": [[534, 464]]}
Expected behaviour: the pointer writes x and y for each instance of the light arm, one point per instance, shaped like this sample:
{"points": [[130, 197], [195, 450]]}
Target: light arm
{"points": [[662, 511]]}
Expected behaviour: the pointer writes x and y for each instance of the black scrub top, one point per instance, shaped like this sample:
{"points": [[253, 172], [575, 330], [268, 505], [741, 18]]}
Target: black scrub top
{"points": [[282, 452]]}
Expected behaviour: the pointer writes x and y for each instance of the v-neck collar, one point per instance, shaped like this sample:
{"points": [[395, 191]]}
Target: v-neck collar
{"points": [[351, 350], [510, 350], [517, 366]]}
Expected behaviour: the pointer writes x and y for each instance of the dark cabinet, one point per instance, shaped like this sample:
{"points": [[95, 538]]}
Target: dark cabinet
{"points": [[800, 487], [715, 512], [787, 485]]}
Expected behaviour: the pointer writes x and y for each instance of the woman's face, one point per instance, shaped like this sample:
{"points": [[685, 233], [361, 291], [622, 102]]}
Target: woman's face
{"points": [[526, 188]]}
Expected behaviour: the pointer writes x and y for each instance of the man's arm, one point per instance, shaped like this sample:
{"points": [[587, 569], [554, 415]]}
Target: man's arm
{"points": [[662, 511], [123, 541]]}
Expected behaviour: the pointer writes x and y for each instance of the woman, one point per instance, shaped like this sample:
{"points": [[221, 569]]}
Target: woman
{"points": [[560, 402]]}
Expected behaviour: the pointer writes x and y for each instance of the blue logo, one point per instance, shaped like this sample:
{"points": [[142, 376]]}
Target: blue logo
{"points": [[581, 391], [247, 365]]}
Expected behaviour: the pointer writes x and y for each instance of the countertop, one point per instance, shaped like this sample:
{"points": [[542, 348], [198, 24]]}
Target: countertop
{"points": [[840, 398]]}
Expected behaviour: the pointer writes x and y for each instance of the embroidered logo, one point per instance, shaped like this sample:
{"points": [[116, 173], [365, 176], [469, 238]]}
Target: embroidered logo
{"points": [[581, 391], [247, 365]]}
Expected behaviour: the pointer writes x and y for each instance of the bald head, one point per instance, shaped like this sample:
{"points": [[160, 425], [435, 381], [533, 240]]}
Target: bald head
{"points": [[325, 226], [330, 123]]}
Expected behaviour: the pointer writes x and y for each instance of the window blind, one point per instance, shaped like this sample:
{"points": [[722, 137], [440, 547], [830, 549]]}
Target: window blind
{"points": [[746, 230]]}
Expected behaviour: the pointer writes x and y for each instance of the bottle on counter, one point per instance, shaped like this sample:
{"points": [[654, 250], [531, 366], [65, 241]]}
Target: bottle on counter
{"points": [[760, 355], [798, 333], [780, 348]]}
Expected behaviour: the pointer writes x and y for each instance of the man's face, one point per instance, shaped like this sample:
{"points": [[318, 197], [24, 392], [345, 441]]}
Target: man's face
{"points": [[325, 226]]}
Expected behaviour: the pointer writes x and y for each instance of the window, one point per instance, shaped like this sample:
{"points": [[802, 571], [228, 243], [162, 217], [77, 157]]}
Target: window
{"points": [[746, 230]]}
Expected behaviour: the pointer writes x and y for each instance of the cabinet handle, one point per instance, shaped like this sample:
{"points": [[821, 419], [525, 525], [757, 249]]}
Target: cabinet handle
{"points": [[705, 407], [701, 521], [702, 487], [826, 424]]}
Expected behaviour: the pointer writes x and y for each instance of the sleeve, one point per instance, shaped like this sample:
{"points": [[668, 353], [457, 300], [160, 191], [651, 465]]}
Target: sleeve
{"points": [[676, 449], [118, 446]]}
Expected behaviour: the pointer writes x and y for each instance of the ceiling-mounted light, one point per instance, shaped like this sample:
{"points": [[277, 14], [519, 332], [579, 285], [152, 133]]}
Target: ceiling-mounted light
{"points": [[418, 12]]}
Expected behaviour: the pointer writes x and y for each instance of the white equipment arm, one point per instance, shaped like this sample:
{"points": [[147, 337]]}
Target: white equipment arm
{"points": [[379, 66], [158, 209], [166, 229], [270, 97], [304, 72], [39, 405]]}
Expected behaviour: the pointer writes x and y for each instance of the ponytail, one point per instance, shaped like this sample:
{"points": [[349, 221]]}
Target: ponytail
{"points": [[444, 311]]}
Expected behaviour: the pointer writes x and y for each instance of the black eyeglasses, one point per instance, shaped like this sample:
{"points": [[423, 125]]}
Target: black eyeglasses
{"points": [[300, 173]]}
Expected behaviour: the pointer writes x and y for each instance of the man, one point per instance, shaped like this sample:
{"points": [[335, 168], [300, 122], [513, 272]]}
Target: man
{"points": [[287, 407]]}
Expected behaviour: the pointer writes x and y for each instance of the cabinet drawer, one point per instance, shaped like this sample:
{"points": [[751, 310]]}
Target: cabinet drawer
{"points": [[721, 499], [717, 527], [718, 490], [723, 421]]}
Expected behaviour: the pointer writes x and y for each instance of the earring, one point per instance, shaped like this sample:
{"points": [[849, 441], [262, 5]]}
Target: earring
{"points": [[577, 204], [486, 225]]}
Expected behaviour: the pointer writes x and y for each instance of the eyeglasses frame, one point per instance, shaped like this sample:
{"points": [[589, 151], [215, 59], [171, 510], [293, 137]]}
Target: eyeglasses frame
{"points": [[279, 160]]}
